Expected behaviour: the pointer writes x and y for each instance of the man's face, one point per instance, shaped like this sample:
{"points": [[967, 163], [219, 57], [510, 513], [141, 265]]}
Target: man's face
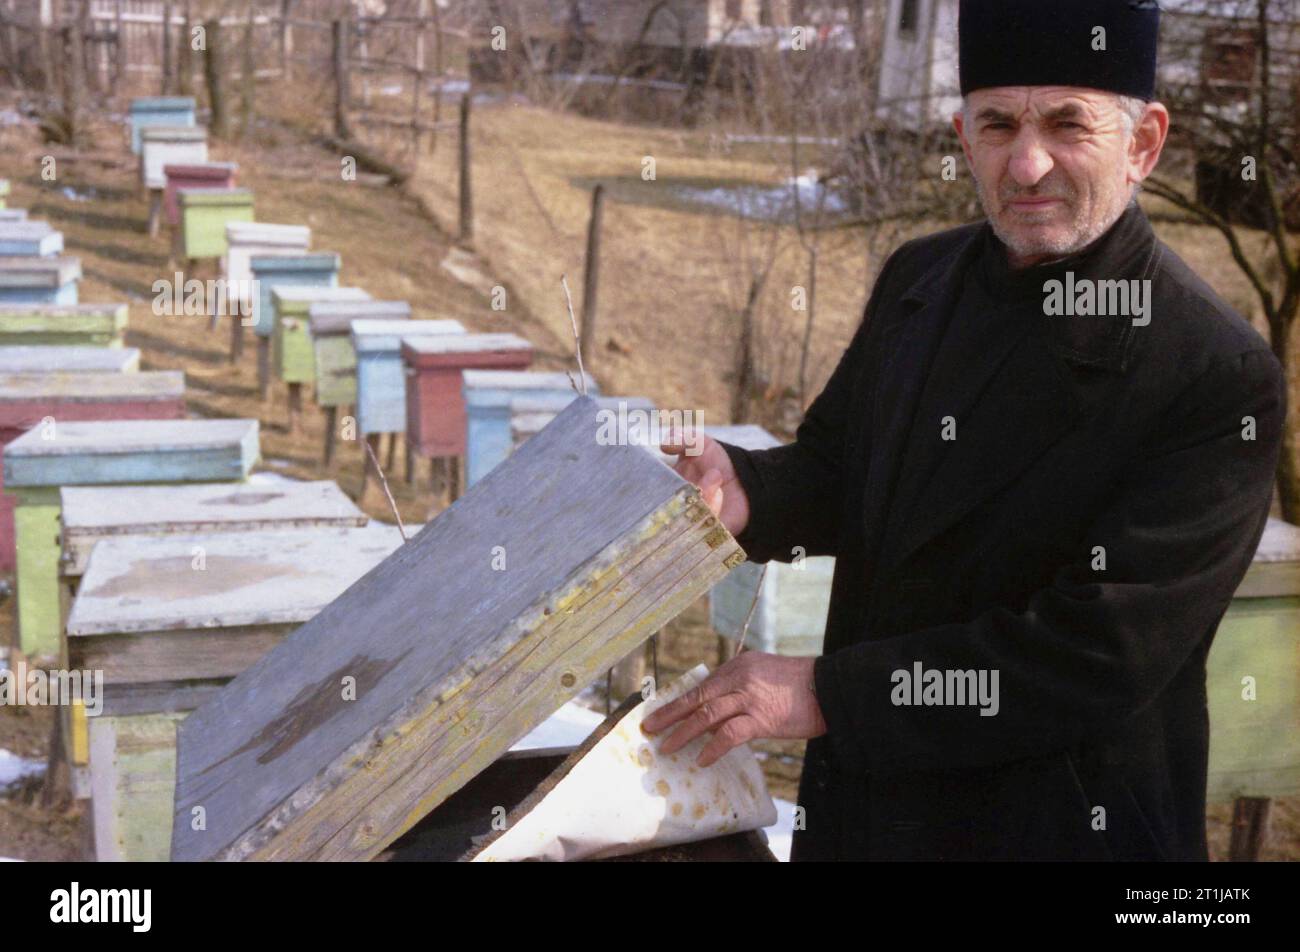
{"points": [[1054, 165]]}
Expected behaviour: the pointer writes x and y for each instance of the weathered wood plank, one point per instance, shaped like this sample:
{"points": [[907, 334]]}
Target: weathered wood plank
{"points": [[453, 658], [69, 359], [91, 514]]}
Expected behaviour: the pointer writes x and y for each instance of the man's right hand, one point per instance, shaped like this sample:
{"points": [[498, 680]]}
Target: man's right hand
{"points": [[713, 473]]}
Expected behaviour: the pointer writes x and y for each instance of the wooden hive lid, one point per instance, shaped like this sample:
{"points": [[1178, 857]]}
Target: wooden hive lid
{"points": [[139, 583], [162, 104], [507, 380], [26, 271], [111, 316], [220, 197], [268, 233], [69, 358], [377, 336], [336, 317], [32, 228], [452, 660], [121, 437], [91, 387], [415, 342], [212, 170], [202, 507], [173, 134], [299, 297], [324, 261]]}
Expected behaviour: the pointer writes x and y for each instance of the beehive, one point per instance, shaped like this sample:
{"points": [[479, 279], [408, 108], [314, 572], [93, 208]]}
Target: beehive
{"points": [[487, 395], [435, 403], [205, 212], [35, 280], [29, 239], [292, 356], [167, 636], [161, 146], [64, 325], [158, 111], [178, 175]]}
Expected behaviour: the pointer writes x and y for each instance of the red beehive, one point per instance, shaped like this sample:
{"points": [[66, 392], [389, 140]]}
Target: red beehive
{"points": [[197, 175], [435, 403]]}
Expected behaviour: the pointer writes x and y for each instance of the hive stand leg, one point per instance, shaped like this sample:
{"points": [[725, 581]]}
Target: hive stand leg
{"points": [[454, 482], [58, 773], [264, 368], [373, 440], [295, 408], [331, 426], [410, 463], [625, 679], [155, 211], [392, 453], [236, 338], [1249, 828]]}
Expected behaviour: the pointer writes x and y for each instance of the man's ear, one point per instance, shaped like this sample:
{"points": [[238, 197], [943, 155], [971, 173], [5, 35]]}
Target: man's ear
{"points": [[1148, 142], [959, 124]]}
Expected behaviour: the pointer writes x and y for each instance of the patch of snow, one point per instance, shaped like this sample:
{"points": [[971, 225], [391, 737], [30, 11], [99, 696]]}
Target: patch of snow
{"points": [[14, 768]]}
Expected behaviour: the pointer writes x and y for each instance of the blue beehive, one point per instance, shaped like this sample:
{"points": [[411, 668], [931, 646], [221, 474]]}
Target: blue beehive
{"points": [[487, 410], [381, 379], [318, 269], [159, 111], [30, 238], [49, 280]]}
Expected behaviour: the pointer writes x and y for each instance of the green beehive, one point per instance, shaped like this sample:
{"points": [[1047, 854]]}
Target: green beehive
{"points": [[205, 212], [87, 325], [291, 347], [1253, 677]]}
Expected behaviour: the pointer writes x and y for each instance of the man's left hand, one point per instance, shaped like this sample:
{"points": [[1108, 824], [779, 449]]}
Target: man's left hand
{"points": [[754, 695]]}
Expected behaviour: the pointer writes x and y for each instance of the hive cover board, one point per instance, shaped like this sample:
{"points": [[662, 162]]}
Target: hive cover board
{"points": [[564, 559]]}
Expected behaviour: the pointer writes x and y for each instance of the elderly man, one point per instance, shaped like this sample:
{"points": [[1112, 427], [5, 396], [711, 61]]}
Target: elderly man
{"points": [[1043, 466]]}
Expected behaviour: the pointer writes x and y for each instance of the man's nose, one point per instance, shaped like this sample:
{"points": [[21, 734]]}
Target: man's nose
{"points": [[1030, 161]]}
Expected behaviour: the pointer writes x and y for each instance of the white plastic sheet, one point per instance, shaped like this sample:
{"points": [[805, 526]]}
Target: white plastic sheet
{"points": [[625, 797]]}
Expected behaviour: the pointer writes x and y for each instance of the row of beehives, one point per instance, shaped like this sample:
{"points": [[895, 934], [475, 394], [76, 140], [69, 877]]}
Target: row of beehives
{"points": [[150, 551]]}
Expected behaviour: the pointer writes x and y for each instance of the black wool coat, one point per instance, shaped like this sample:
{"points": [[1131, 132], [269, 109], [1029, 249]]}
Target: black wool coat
{"points": [[1081, 532]]}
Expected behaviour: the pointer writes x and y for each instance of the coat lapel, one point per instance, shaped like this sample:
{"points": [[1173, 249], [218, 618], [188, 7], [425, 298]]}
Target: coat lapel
{"points": [[909, 340]]}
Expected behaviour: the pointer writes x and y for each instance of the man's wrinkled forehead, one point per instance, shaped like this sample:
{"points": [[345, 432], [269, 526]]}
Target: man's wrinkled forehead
{"points": [[1037, 102]]}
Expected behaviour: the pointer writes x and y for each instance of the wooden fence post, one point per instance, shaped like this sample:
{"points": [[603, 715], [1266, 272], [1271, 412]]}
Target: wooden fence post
{"points": [[185, 55], [164, 82], [248, 75], [342, 94], [466, 196], [591, 275], [119, 67], [286, 42], [212, 54]]}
